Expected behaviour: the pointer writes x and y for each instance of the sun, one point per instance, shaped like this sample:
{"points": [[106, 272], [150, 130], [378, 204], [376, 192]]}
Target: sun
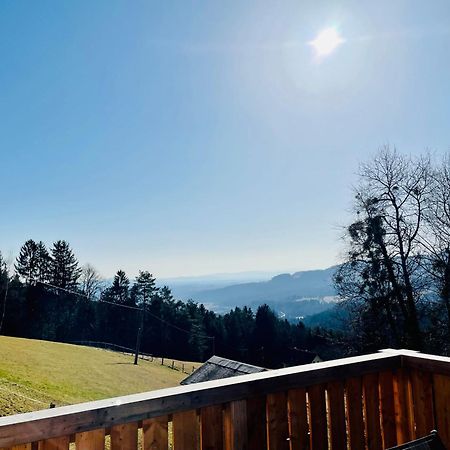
{"points": [[326, 42]]}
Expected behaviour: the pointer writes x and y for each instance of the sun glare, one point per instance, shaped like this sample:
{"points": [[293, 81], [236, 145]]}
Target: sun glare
{"points": [[326, 42]]}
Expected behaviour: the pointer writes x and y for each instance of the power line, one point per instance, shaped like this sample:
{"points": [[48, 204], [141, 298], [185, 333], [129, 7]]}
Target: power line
{"points": [[146, 311]]}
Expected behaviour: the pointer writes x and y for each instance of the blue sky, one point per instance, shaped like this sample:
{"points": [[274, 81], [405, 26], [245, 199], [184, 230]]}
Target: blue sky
{"points": [[200, 137]]}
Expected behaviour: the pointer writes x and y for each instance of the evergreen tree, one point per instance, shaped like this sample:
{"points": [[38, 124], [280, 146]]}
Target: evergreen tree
{"points": [[64, 270], [27, 262], [118, 292], [145, 287], [42, 262]]}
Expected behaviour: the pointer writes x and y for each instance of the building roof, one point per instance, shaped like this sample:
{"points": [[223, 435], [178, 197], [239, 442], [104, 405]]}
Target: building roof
{"points": [[216, 368], [306, 357]]}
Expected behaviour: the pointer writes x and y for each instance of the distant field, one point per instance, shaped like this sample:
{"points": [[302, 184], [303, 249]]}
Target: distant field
{"points": [[35, 373]]}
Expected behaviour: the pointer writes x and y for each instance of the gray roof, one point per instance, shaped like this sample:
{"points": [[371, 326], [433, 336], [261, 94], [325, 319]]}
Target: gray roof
{"points": [[216, 368]]}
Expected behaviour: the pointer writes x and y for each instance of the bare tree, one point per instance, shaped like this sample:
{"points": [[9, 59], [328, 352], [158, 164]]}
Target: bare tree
{"points": [[90, 281], [385, 249], [5, 268], [436, 236]]}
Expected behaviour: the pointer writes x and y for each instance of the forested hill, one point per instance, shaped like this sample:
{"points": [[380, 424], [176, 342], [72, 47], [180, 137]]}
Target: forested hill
{"points": [[306, 285]]}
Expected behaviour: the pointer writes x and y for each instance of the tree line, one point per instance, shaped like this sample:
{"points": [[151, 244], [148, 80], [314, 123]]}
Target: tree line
{"points": [[393, 285], [395, 278], [50, 296]]}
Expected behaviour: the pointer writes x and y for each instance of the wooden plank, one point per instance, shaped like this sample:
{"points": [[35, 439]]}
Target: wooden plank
{"points": [[256, 423], [387, 407], [155, 433], [336, 415], [403, 406], [235, 426], [277, 422], [124, 437], [298, 419], [354, 404], [68, 420], [90, 440], [185, 430], [372, 411], [211, 428], [61, 443], [422, 392], [442, 406], [318, 417], [19, 447]]}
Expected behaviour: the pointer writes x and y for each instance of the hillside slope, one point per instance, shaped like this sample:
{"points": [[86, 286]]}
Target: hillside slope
{"points": [[312, 285], [35, 373]]}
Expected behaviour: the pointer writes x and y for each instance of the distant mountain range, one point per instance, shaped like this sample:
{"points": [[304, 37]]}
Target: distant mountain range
{"points": [[293, 296]]}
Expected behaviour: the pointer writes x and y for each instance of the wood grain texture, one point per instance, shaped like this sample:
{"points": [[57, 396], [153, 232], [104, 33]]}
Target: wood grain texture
{"points": [[186, 430], [336, 415], [211, 428], [387, 408], [354, 404], [90, 440], [256, 423], [422, 392], [235, 426], [404, 420], [298, 420], [277, 422], [372, 411], [19, 447], [318, 417], [442, 406], [61, 443], [155, 433], [124, 437]]}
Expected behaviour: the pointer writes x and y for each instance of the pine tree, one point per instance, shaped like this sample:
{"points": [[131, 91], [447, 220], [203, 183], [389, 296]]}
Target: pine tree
{"points": [[64, 269], [42, 262], [145, 287], [118, 292], [27, 262]]}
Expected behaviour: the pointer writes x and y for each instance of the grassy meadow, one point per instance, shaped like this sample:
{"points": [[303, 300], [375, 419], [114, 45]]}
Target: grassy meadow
{"points": [[35, 373]]}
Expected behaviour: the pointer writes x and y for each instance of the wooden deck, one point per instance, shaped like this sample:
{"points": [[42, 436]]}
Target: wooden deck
{"points": [[367, 402]]}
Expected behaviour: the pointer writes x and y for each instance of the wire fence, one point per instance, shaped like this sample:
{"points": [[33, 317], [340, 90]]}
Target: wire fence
{"points": [[173, 364]]}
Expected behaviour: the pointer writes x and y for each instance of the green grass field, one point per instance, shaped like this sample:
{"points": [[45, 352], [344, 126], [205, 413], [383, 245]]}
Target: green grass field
{"points": [[35, 373]]}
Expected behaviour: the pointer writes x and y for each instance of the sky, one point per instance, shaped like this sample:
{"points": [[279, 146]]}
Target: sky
{"points": [[190, 137]]}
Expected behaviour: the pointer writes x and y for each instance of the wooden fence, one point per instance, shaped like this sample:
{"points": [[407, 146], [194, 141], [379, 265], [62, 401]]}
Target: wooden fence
{"points": [[368, 402]]}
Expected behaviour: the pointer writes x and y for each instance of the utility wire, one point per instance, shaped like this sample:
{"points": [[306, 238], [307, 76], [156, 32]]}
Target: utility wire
{"points": [[129, 307]]}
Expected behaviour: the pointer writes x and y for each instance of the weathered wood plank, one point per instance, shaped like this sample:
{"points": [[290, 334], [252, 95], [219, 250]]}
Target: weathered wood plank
{"points": [[211, 428], [256, 423], [403, 406], [90, 440], [442, 406], [354, 396], [277, 422], [185, 430], [298, 419], [372, 411], [68, 420], [387, 407], [155, 433], [124, 437], [61, 443], [422, 392], [318, 417], [235, 426], [336, 415]]}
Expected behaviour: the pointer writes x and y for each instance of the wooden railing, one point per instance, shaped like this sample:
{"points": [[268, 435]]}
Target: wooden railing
{"points": [[368, 402]]}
